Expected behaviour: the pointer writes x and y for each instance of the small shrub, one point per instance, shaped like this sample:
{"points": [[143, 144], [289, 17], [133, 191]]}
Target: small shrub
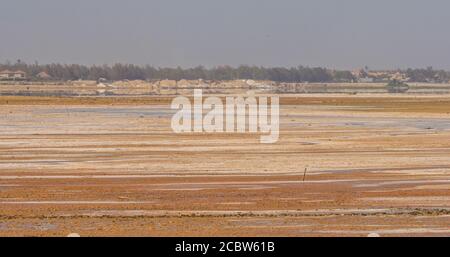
{"points": [[395, 86]]}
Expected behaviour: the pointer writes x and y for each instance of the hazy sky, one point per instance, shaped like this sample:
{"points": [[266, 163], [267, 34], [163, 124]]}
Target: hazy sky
{"points": [[331, 33]]}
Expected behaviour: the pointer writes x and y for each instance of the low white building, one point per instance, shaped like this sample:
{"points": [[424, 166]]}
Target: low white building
{"points": [[12, 75]]}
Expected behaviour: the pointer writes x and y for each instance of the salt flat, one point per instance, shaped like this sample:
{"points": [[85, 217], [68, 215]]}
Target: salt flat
{"points": [[112, 166]]}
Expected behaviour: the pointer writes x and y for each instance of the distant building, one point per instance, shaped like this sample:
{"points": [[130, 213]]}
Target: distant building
{"points": [[12, 75], [359, 73], [365, 80], [43, 75], [399, 77]]}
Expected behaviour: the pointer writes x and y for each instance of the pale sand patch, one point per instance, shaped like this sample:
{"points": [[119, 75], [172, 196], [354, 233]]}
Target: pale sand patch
{"points": [[403, 182], [389, 231], [441, 199]]}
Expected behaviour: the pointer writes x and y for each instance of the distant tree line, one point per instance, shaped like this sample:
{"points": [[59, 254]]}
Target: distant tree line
{"points": [[136, 72], [428, 75]]}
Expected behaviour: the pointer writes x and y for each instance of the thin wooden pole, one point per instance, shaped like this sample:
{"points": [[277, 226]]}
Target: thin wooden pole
{"points": [[304, 174]]}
